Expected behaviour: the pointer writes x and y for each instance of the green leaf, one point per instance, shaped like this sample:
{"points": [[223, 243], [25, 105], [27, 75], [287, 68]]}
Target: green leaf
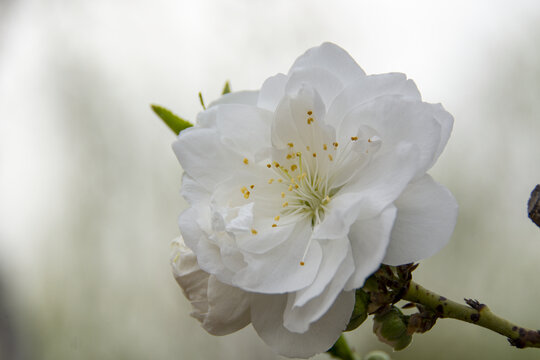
{"points": [[201, 100], [226, 88], [174, 122]]}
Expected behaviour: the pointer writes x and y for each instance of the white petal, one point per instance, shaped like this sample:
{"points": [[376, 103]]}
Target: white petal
{"points": [[426, 216], [291, 124], [334, 253], [272, 91], [192, 280], [279, 270], [368, 88], [210, 259], [196, 146], [220, 308], [265, 240], [243, 219], [231, 257], [228, 308], [266, 317], [190, 229], [446, 120], [323, 81], [298, 318], [396, 119], [377, 186], [193, 192], [332, 58], [244, 128], [369, 240], [237, 97]]}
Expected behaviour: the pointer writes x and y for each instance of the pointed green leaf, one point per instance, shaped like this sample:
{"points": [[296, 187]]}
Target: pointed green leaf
{"points": [[174, 122], [201, 100], [226, 88]]}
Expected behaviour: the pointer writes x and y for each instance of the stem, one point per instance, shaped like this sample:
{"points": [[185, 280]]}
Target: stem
{"points": [[341, 350], [475, 313]]}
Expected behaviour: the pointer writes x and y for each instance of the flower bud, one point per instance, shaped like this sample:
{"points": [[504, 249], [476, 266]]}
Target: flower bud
{"points": [[391, 328], [377, 355], [359, 313]]}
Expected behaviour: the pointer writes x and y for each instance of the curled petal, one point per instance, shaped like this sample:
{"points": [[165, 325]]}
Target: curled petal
{"points": [[279, 270], [378, 186], [369, 239], [299, 318], [220, 308], [332, 58], [321, 335], [426, 216]]}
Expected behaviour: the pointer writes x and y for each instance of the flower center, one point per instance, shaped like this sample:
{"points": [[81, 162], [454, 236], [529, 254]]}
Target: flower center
{"points": [[306, 190], [304, 177]]}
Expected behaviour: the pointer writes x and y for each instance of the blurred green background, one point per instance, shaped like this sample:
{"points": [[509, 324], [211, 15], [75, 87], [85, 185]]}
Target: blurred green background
{"points": [[89, 185]]}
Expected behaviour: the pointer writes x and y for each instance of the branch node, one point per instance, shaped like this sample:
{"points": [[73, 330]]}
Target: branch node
{"points": [[475, 304]]}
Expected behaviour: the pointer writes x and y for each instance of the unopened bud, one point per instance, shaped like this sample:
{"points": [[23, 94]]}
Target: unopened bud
{"points": [[391, 328], [377, 355], [359, 313]]}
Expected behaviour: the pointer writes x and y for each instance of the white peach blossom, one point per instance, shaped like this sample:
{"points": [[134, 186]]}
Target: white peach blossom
{"points": [[301, 190]]}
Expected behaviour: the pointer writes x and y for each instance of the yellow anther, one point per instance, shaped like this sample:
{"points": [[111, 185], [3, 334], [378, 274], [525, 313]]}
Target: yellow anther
{"points": [[290, 144], [310, 112], [304, 175], [246, 161], [330, 157], [269, 165], [254, 232], [276, 218], [285, 204], [276, 164], [282, 194], [335, 144], [314, 154], [295, 186], [299, 154], [270, 181], [274, 225], [289, 156], [293, 167], [243, 189], [354, 138], [251, 186], [246, 195], [308, 148], [325, 147], [309, 120], [290, 187], [327, 199], [279, 180], [302, 263]]}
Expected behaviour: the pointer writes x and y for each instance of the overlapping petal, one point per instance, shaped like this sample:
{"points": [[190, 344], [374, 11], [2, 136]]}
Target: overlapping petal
{"points": [[220, 308], [332, 58], [426, 216], [369, 239], [299, 316], [321, 335]]}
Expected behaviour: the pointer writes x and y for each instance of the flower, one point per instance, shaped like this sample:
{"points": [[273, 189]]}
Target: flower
{"points": [[301, 190]]}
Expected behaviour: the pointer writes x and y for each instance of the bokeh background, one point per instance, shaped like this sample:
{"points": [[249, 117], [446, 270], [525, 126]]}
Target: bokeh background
{"points": [[89, 185]]}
